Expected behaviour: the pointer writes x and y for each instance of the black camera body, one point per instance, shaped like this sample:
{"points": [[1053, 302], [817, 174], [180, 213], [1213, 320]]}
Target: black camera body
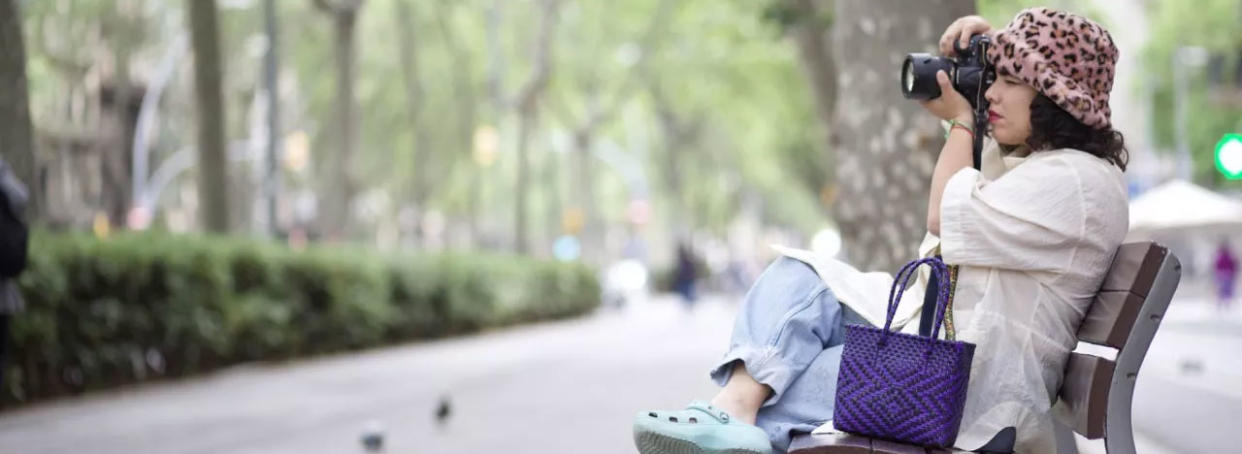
{"points": [[970, 73]]}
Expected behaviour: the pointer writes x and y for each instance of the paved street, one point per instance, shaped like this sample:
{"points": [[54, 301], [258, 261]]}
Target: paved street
{"points": [[568, 386]]}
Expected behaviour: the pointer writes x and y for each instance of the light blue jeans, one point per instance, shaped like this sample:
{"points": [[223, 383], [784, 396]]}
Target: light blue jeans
{"points": [[789, 335]]}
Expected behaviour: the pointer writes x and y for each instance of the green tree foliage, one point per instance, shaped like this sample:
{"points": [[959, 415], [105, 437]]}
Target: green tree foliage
{"points": [[1215, 91], [726, 76], [738, 80]]}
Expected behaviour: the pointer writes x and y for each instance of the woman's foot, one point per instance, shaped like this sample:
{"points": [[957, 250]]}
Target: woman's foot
{"points": [[740, 409], [699, 429], [742, 395]]}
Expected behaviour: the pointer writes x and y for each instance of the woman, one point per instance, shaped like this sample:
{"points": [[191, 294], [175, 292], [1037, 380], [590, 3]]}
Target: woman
{"points": [[1033, 233]]}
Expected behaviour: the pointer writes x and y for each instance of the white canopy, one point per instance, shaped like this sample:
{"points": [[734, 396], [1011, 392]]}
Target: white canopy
{"points": [[1179, 204]]}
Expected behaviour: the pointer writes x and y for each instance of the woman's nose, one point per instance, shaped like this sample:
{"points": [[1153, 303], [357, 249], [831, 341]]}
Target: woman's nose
{"points": [[991, 95]]}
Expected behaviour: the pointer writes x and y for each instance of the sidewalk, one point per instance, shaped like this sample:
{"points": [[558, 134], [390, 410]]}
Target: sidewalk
{"points": [[1189, 390], [1200, 346]]}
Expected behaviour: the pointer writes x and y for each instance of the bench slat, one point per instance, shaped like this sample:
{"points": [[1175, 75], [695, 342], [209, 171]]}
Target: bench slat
{"points": [[888, 447], [838, 443], [1085, 393], [1134, 268], [1110, 318], [843, 443]]}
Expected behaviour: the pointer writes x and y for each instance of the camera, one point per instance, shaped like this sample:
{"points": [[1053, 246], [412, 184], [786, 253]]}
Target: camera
{"points": [[970, 73]]}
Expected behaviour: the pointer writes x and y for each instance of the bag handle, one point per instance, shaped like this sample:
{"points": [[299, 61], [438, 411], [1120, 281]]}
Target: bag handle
{"points": [[902, 281]]}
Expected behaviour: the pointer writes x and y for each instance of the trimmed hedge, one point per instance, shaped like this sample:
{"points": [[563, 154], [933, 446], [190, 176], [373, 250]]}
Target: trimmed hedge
{"points": [[137, 307]]}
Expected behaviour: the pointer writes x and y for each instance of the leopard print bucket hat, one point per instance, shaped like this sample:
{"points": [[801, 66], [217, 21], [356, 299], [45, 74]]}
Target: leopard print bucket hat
{"points": [[1066, 57]]}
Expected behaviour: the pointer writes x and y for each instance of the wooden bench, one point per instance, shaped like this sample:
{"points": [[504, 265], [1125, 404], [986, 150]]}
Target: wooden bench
{"points": [[1096, 393]]}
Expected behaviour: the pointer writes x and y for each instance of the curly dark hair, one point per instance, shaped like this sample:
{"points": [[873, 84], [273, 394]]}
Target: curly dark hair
{"points": [[1053, 128]]}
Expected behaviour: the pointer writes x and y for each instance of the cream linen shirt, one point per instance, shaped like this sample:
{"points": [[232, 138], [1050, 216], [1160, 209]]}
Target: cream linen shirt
{"points": [[1034, 236]]}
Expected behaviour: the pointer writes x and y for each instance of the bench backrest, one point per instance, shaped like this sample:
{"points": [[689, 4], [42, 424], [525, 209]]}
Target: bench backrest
{"points": [[1096, 391]]}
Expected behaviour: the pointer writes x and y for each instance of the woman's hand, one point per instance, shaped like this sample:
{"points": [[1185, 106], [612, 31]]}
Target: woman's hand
{"points": [[960, 32], [950, 104]]}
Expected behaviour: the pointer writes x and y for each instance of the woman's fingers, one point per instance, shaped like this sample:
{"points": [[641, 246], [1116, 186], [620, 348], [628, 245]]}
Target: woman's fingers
{"points": [[950, 104], [964, 39], [946, 40], [959, 32], [943, 79]]}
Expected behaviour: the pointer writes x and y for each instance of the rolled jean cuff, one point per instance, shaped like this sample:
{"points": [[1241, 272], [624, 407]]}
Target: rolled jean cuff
{"points": [[764, 364]]}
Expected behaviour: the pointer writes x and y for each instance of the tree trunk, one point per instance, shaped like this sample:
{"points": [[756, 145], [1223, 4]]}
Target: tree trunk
{"points": [[464, 91], [119, 104], [810, 34], [679, 132], [344, 180], [407, 50], [885, 145], [583, 187], [672, 180], [527, 103], [495, 94], [271, 75], [526, 120], [346, 117], [554, 186], [16, 142], [212, 152]]}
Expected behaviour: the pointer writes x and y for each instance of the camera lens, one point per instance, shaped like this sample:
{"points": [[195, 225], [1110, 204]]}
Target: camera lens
{"points": [[907, 77], [918, 75]]}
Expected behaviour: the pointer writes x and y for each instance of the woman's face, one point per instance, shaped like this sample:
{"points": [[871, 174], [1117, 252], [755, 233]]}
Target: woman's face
{"points": [[1010, 111]]}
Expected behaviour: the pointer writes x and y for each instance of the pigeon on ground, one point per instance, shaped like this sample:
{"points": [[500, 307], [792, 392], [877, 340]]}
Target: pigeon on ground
{"points": [[443, 410]]}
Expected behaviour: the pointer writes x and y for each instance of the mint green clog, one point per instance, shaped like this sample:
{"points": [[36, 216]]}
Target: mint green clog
{"points": [[699, 429]]}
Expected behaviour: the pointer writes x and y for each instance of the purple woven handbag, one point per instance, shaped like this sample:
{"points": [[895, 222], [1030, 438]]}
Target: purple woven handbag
{"points": [[904, 387]]}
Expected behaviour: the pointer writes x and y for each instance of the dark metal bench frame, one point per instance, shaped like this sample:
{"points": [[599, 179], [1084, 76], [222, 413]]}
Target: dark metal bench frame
{"points": [[1097, 393]]}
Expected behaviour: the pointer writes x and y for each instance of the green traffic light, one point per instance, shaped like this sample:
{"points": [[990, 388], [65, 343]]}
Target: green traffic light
{"points": [[1229, 156]]}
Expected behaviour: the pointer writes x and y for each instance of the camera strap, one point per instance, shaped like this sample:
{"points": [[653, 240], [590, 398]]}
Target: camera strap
{"points": [[981, 105], [981, 125]]}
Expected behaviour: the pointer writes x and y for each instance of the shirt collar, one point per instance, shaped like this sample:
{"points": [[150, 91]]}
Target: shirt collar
{"points": [[998, 159]]}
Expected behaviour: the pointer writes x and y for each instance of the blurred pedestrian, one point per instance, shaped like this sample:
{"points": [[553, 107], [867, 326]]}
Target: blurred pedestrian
{"points": [[13, 243], [685, 274], [1226, 274]]}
